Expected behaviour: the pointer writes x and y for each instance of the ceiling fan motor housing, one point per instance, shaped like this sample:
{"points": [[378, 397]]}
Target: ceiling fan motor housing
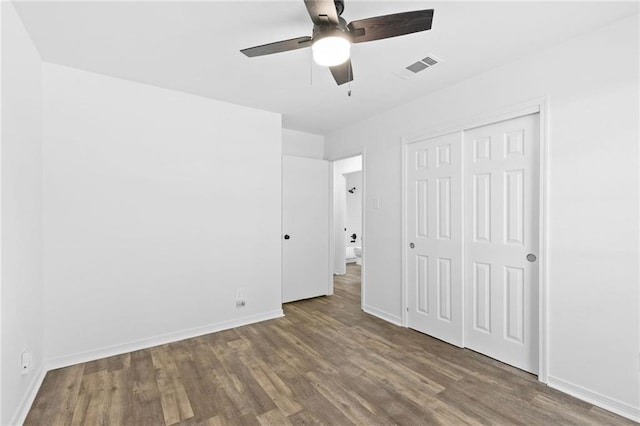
{"points": [[339, 30]]}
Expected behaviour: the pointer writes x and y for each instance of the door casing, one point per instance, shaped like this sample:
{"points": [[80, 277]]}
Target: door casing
{"points": [[539, 105]]}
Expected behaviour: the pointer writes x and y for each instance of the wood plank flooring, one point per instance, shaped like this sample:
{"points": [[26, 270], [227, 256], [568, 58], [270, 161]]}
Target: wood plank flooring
{"points": [[325, 362]]}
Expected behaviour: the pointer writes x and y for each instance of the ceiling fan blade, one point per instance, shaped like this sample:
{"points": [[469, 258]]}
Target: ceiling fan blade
{"points": [[387, 26], [277, 47], [322, 12], [342, 73]]}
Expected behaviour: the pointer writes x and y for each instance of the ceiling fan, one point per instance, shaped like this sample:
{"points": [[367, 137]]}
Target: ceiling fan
{"points": [[332, 37]]}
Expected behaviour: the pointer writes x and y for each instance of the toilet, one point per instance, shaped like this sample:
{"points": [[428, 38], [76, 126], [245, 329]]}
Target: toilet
{"points": [[358, 252], [351, 255]]}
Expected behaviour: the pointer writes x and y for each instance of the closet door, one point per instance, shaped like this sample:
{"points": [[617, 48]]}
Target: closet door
{"points": [[434, 237], [501, 241]]}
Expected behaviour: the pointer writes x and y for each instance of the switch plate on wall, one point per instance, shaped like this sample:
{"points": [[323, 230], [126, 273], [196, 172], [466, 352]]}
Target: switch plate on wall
{"points": [[25, 361]]}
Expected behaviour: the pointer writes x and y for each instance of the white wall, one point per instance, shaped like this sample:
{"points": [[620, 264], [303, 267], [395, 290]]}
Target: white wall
{"points": [[354, 208], [593, 300], [158, 206], [302, 144], [340, 167], [21, 293]]}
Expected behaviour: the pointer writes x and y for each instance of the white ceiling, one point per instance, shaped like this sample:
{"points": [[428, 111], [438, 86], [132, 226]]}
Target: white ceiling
{"points": [[194, 47]]}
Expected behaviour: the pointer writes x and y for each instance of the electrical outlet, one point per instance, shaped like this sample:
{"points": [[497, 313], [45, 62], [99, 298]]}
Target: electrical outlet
{"points": [[25, 361], [240, 303]]}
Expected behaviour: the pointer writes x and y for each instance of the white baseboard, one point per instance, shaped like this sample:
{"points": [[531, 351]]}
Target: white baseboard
{"points": [[27, 401], [393, 319], [615, 406], [609, 404], [105, 352]]}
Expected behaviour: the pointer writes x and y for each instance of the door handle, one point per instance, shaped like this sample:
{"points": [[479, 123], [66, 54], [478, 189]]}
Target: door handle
{"points": [[411, 245], [286, 236], [531, 257]]}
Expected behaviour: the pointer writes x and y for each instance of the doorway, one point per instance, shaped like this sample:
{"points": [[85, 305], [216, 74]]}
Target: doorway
{"points": [[348, 217], [472, 230]]}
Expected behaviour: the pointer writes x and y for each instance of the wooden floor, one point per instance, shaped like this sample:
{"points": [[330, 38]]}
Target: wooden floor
{"points": [[326, 362]]}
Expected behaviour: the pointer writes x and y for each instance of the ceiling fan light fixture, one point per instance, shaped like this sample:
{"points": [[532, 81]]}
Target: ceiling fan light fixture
{"points": [[332, 36], [331, 50]]}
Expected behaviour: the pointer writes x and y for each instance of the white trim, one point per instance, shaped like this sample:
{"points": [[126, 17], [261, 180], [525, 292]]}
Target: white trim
{"points": [[403, 252], [331, 260], [27, 400], [363, 209], [463, 230], [1, 248], [609, 404], [67, 360], [281, 226], [393, 319], [514, 111], [537, 105], [543, 273], [332, 234]]}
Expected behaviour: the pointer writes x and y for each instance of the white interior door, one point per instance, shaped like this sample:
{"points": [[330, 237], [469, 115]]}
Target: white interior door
{"points": [[434, 235], [501, 241], [305, 228]]}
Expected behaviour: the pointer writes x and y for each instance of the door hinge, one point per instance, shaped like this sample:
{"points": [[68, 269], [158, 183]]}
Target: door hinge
{"points": [[407, 309]]}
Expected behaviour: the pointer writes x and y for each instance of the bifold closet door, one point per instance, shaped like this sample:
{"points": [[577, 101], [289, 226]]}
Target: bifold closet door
{"points": [[501, 240], [434, 237]]}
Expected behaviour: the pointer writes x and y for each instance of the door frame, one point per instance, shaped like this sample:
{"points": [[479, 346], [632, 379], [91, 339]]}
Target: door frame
{"points": [[332, 243], [537, 105]]}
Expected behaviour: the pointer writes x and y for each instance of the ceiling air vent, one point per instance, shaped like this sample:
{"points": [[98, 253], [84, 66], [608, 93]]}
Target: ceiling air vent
{"points": [[417, 67], [429, 61]]}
